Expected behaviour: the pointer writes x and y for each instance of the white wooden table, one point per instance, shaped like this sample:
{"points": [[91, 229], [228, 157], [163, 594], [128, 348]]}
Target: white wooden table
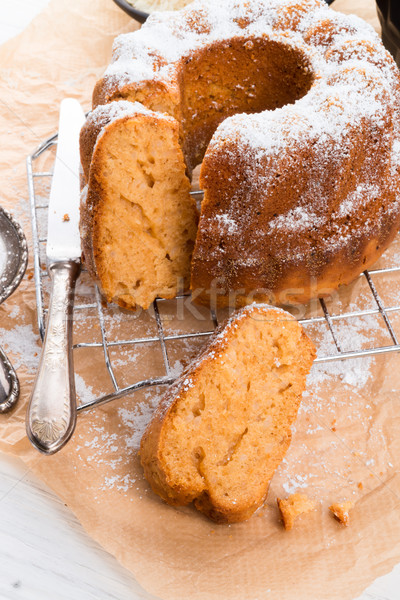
{"points": [[44, 552]]}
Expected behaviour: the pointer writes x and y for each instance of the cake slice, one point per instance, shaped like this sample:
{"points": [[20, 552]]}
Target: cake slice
{"points": [[222, 429], [138, 220]]}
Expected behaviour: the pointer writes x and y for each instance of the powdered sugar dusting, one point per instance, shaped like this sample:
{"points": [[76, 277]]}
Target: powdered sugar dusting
{"points": [[104, 115], [84, 391], [118, 110], [354, 372], [21, 343], [113, 448], [297, 219], [84, 193], [226, 223], [137, 419]]}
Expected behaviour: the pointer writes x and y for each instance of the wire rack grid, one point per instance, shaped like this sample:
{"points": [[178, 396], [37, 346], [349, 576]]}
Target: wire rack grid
{"points": [[39, 207]]}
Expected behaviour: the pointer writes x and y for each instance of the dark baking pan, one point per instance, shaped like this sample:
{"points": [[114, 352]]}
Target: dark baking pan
{"points": [[138, 15], [389, 16]]}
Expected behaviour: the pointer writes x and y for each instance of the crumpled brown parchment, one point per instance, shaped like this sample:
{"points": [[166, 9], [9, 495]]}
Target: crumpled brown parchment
{"points": [[346, 443]]}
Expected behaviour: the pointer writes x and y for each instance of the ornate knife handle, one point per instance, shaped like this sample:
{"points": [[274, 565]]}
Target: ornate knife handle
{"points": [[51, 417]]}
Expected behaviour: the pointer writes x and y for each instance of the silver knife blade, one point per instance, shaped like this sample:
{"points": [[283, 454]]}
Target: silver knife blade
{"points": [[63, 242]]}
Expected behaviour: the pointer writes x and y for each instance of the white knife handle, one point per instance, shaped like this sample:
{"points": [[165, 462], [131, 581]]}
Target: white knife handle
{"points": [[51, 417]]}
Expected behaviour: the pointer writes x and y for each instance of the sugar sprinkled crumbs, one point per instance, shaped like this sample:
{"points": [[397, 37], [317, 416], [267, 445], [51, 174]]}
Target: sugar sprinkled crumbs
{"points": [[352, 372], [21, 343], [138, 418], [297, 482], [84, 391]]}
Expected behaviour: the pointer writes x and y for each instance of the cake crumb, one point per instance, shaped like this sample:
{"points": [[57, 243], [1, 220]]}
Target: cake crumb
{"points": [[360, 485], [341, 511], [295, 505], [66, 217]]}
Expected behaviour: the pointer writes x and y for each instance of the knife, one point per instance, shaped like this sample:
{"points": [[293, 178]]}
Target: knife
{"points": [[51, 416]]}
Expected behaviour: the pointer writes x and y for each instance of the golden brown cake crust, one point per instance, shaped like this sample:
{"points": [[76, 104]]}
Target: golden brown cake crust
{"points": [[88, 138], [215, 442]]}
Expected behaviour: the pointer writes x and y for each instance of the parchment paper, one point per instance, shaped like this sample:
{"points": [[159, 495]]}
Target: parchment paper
{"points": [[346, 443]]}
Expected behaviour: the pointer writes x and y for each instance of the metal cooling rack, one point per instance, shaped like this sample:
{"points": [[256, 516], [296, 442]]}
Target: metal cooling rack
{"points": [[39, 206]]}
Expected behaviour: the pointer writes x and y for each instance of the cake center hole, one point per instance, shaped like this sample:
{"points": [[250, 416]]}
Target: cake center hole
{"points": [[240, 76]]}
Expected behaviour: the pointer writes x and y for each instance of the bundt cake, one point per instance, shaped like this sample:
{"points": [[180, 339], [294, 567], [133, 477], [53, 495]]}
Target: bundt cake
{"points": [[138, 221], [294, 110], [222, 429]]}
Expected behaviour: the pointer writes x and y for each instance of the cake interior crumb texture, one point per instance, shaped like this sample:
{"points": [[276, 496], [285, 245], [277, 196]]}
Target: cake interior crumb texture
{"points": [[138, 213], [223, 428]]}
